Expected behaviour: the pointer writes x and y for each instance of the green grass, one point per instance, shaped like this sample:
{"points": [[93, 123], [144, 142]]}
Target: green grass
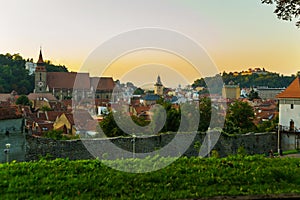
{"points": [[288, 152], [185, 178]]}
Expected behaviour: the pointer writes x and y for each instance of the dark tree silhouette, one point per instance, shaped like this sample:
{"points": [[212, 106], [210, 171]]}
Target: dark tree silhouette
{"points": [[286, 9]]}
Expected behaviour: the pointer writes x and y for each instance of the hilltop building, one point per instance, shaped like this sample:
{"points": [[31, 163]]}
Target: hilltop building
{"points": [[231, 91], [61, 84], [30, 66]]}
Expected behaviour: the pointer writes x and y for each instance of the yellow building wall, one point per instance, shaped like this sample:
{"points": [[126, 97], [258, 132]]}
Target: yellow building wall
{"points": [[159, 90], [61, 121], [231, 92]]}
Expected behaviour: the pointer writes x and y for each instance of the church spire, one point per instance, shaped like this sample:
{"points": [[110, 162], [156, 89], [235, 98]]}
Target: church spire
{"points": [[40, 61], [158, 81]]}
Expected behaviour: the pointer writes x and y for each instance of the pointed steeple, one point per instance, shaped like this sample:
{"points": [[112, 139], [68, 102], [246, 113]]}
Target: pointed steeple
{"points": [[158, 81], [40, 61]]}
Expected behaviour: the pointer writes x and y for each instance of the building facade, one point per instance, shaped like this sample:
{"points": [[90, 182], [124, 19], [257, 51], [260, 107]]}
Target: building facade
{"points": [[231, 91], [289, 106], [268, 93]]}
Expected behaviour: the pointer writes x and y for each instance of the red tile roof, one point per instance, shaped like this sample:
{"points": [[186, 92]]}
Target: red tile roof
{"points": [[66, 80], [52, 115], [37, 96], [141, 109], [11, 112], [102, 83], [70, 118], [292, 91]]}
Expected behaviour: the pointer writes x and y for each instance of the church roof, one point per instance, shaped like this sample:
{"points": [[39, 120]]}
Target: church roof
{"points": [[66, 80], [292, 91], [158, 81], [102, 83]]}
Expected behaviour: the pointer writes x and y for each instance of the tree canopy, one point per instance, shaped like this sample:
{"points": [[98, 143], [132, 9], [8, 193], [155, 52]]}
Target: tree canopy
{"points": [[271, 80], [286, 9], [23, 100], [239, 118]]}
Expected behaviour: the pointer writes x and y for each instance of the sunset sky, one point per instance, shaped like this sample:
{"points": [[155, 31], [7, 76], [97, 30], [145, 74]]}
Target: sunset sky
{"points": [[236, 34]]}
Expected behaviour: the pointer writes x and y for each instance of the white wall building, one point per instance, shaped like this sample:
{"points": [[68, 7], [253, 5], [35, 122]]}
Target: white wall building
{"points": [[289, 106], [30, 66]]}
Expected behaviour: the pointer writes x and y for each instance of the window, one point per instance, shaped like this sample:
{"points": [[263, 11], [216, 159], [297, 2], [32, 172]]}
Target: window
{"points": [[40, 76], [292, 106]]}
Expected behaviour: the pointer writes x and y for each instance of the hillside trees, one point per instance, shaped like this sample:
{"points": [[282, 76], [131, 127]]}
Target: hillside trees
{"points": [[271, 80], [14, 76]]}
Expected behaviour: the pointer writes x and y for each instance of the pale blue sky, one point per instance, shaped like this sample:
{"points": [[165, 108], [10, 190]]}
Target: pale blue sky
{"points": [[237, 34]]}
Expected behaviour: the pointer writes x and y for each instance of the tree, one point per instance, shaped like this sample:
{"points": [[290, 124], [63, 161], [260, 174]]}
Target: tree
{"points": [[45, 108], [139, 91], [286, 9], [110, 127], [239, 118], [205, 113], [253, 95], [23, 100]]}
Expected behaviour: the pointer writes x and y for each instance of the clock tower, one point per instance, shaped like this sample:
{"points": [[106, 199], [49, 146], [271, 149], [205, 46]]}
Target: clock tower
{"points": [[40, 75], [158, 87]]}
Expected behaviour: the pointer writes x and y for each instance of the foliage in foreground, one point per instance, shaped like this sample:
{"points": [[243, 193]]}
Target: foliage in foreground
{"points": [[58, 135], [185, 178]]}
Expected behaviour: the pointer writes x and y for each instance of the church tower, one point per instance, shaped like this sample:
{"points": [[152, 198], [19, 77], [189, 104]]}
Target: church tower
{"points": [[158, 87], [40, 75]]}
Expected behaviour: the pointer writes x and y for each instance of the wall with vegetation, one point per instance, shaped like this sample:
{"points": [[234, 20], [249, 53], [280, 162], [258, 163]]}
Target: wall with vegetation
{"points": [[259, 143]]}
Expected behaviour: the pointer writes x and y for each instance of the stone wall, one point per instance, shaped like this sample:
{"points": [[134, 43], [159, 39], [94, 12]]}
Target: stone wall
{"points": [[259, 143], [11, 125], [290, 141]]}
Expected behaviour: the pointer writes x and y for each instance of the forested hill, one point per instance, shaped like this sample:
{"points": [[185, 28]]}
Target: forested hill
{"points": [[271, 80], [14, 76]]}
